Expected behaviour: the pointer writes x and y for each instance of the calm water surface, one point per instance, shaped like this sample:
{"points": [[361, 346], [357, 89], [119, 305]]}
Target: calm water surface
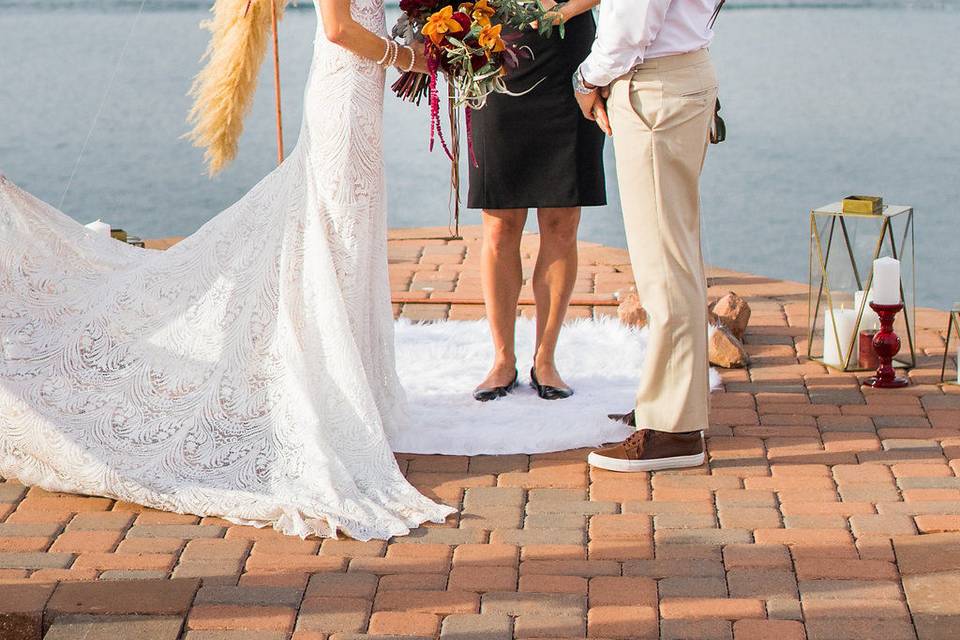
{"points": [[820, 101]]}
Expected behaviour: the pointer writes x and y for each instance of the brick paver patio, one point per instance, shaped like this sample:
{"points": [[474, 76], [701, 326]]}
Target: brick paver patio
{"points": [[826, 512]]}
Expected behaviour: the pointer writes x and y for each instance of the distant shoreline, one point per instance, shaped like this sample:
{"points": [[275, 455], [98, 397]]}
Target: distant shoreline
{"points": [[798, 116], [732, 5]]}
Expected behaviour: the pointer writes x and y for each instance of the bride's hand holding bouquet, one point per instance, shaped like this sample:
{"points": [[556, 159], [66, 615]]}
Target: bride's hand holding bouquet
{"points": [[464, 41]]}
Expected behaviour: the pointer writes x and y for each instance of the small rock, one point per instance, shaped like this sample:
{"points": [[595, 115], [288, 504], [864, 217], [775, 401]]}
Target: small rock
{"points": [[712, 318], [726, 350], [631, 312], [734, 313]]}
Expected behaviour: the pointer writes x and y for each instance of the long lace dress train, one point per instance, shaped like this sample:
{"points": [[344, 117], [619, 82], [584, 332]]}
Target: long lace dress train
{"points": [[247, 372]]}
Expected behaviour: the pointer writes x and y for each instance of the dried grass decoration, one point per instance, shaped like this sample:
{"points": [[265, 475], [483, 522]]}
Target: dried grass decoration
{"points": [[223, 91]]}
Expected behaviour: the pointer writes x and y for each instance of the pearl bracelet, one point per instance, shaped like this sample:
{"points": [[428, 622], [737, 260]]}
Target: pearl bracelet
{"points": [[386, 51], [413, 59], [393, 56]]}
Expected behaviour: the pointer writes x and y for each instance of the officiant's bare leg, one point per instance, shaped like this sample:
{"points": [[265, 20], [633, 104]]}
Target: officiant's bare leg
{"points": [[501, 276], [553, 280]]}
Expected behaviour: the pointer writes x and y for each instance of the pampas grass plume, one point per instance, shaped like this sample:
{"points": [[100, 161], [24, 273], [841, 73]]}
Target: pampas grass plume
{"points": [[223, 90]]}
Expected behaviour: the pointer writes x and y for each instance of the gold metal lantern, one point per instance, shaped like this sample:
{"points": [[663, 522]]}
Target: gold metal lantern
{"points": [[953, 332], [844, 243]]}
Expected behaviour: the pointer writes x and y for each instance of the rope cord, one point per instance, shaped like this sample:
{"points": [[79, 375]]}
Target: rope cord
{"points": [[103, 102]]}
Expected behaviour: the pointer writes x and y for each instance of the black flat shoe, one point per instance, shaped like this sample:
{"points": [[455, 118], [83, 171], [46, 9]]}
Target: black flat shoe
{"points": [[485, 395], [546, 391], [629, 419]]}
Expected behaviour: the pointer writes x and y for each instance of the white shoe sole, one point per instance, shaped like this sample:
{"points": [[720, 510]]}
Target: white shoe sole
{"points": [[658, 464]]}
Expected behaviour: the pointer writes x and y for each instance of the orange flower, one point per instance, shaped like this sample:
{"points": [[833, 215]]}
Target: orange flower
{"points": [[439, 24], [482, 12], [490, 39]]}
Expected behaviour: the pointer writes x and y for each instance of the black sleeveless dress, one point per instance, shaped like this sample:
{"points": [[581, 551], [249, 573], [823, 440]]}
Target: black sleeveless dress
{"points": [[537, 150]]}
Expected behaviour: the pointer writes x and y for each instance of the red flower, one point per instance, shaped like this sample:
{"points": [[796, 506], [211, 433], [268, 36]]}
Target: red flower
{"points": [[478, 62], [414, 7], [464, 21]]}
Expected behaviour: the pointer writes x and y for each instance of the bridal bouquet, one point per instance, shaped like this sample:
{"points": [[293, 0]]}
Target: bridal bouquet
{"points": [[464, 41]]}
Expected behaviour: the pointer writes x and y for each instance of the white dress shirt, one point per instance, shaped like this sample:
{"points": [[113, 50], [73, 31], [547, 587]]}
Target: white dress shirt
{"points": [[631, 31]]}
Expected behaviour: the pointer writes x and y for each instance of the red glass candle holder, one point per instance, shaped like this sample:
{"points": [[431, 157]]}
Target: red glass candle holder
{"points": [[886, 344], [867, 355]]}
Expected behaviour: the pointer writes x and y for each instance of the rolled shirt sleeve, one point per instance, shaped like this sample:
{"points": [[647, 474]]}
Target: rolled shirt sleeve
{"points": [[625, 30]]}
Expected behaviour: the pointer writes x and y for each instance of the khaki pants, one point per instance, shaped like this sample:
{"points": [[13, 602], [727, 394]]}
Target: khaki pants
{"points": [[661, 113]]}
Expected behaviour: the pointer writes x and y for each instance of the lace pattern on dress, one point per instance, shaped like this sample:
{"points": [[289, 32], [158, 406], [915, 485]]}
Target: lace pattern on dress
{"points": [[247, 372]]}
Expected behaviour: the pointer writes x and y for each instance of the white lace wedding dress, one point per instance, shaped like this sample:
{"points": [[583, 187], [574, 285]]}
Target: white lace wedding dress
{"points": [[247, 372]]}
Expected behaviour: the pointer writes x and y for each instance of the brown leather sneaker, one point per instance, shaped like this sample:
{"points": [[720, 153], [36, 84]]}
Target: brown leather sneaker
{"points": [[648, 450]]}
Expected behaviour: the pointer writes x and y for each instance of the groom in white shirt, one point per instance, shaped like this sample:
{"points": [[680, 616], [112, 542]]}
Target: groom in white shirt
{"points": [[650, 83]]}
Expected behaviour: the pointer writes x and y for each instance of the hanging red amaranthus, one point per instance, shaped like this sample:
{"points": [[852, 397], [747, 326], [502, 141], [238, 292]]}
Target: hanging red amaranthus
{"points": [[464, 42]]}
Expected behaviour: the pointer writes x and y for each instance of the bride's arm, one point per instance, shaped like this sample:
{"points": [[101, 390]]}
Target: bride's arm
{"points": [[342, 29]]}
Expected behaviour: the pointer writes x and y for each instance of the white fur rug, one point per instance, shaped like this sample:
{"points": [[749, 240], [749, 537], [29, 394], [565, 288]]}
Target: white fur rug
{"points": [[440, 363]]}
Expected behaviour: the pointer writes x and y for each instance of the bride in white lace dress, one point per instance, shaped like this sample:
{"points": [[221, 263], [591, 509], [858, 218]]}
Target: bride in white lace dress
{"points": [[247, 372]]}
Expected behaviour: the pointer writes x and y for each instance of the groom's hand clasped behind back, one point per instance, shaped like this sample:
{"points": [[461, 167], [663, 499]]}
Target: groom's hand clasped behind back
{"points": [[593, 105]]}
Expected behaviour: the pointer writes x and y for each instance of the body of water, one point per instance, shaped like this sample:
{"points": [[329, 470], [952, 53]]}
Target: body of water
{"points": [[821, 100]]}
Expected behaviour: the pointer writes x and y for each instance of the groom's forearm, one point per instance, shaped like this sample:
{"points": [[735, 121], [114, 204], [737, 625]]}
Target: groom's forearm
{"points": [[626, 29]]}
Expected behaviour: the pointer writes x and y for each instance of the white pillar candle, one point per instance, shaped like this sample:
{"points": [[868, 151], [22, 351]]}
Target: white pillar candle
{"points": [[98, 226], [835, 351], [870, 320], [886, 281]]}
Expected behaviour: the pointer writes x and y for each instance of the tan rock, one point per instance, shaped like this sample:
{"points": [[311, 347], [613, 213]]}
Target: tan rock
{"points": [[630, 311], [733, 312], [725, 349], [712, 318]]}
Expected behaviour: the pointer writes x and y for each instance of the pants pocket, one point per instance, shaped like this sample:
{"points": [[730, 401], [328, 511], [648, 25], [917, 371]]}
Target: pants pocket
{"points": [[693, 82], [631, 103], [698, 94], [687, 93]]}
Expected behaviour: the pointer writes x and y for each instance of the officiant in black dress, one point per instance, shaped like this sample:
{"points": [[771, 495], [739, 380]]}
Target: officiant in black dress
{"points": [[535, 151]]}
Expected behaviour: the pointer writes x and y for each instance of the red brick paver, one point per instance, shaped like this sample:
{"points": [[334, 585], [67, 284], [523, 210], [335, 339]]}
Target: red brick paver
{"points": [[825, 511]]}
